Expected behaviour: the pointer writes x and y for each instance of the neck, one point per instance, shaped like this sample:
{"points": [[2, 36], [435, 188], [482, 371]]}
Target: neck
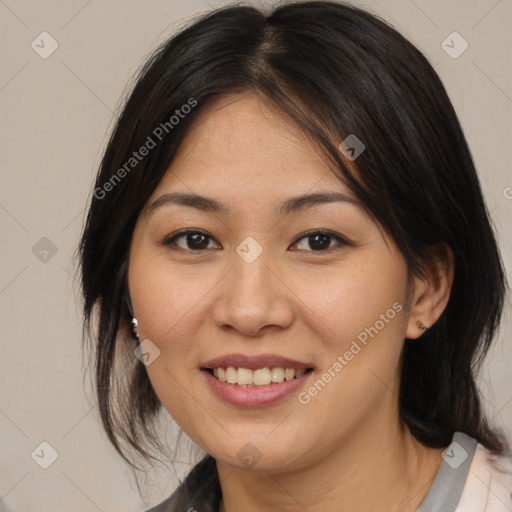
{"points": [[379, 469]]}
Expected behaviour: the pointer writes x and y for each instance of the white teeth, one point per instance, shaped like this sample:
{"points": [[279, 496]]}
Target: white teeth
{"points": [[231, 375], [259, 377], [244, 376], [277, 375]]}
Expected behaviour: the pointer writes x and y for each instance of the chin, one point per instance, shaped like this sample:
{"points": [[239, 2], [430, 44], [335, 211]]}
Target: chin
{"points": [[258, 456]]}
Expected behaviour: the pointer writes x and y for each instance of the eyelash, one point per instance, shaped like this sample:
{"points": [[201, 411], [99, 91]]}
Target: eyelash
{"points": [[341, 240]]}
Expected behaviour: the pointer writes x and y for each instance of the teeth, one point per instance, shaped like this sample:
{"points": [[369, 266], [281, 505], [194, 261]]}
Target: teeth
{"points": [[277, 375], [259, 377], [289, 373], [244, 377], [231, 375]]}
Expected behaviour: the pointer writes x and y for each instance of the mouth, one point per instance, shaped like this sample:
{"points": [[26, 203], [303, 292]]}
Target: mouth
{"points": [[265, 376], [255, 388], [257, 380]]}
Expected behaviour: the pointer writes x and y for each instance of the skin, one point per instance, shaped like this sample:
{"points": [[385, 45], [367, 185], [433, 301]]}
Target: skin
{"points": [[347, 449]]}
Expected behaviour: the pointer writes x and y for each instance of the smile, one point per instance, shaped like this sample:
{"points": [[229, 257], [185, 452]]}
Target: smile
{"points": [[240, 393], [259, 377]]}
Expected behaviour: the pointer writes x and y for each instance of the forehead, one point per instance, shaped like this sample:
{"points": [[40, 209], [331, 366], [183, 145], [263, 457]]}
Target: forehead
{"points": [[244, 143]]}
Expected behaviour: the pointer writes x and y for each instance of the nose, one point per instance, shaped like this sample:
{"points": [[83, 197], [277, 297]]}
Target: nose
{"points": [[254, 296]]}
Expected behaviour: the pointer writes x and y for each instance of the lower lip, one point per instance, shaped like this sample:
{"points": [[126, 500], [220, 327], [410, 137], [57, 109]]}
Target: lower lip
{"points": [[254, 396]]}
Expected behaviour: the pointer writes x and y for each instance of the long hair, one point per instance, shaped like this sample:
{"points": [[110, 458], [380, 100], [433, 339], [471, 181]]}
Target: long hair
{"points": [[335, 70]]}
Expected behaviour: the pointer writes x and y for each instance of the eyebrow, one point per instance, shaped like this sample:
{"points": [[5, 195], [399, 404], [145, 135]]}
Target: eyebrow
{"points": [[291, 205]]}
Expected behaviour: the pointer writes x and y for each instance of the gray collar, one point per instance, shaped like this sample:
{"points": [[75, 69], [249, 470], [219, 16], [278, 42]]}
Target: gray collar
{"points": [[446, 490]]}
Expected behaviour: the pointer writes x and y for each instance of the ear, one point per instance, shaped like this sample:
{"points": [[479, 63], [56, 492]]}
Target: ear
{"points": [[431, 292]]}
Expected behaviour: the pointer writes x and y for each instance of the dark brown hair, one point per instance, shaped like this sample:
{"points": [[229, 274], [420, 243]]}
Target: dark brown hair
{"points": [[335, 70]]}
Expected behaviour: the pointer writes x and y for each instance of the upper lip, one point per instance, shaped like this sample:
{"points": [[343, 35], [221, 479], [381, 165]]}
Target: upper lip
{"points": [[255, 362]]}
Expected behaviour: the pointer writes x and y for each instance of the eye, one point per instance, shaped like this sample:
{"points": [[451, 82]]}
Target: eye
{"points": [[320, 241], [194, 240]]}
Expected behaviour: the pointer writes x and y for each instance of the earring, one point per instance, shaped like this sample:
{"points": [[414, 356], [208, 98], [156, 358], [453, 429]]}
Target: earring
{"points": [[422, 326], [134, 323]]}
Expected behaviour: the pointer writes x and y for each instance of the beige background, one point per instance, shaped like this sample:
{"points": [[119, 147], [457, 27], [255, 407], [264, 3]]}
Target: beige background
{"points": [[56, 114]]}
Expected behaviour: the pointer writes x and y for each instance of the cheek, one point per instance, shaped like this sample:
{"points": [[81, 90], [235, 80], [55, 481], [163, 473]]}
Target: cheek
{"points": [[365, 314], [168, 303], [367, 317], [167, 299], [362, 301]]}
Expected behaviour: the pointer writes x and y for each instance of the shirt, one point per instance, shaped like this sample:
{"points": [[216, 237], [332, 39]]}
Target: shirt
{"points": [[470, 479]]}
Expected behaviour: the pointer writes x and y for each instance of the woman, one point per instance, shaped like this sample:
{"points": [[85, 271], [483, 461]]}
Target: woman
{"points": [[288, 220]]}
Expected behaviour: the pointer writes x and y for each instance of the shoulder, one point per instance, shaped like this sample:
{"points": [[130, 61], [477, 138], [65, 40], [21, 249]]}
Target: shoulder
{"points": [[199, 491], [168, 505], [488, 486]]}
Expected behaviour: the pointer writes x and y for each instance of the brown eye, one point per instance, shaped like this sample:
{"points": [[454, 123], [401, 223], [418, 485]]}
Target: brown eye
{"points": [[317, 241], [192, 240], [320, 241]]}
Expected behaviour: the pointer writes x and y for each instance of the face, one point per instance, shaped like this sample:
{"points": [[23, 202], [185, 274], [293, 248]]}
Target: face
{"points": [[260, 280]]}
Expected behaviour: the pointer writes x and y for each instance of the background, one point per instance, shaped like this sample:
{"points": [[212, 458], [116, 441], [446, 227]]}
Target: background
{"points": [[64, 68]]}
